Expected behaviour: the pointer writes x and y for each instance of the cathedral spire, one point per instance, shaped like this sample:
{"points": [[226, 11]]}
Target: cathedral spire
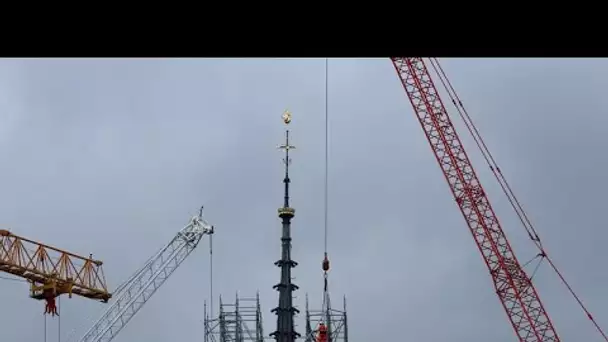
{"points": [[285, 311]]}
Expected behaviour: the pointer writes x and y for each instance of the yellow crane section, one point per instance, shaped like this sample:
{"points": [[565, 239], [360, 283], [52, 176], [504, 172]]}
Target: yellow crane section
{"points": [[52, 271]]}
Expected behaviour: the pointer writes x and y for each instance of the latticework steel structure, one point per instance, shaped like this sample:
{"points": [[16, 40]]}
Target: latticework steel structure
{"points": [[235, 322], [132, 295]]}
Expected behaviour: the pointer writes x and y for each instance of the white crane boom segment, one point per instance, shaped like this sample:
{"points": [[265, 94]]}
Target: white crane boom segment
{"points": [[137, 290]]}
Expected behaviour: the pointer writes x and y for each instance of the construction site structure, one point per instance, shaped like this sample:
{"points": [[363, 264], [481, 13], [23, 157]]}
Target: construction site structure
{"points": [[52, 272], [235, 322], [66, 273], [285, 311], [133, 294], [327, 324]]}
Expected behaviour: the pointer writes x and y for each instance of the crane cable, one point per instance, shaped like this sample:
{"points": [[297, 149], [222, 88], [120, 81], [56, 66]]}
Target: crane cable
{"points": [[45, 331], [200, 215], [59, 319], [506, 188], [211, 274], [325, 264], [58, 322], [45, 327]]}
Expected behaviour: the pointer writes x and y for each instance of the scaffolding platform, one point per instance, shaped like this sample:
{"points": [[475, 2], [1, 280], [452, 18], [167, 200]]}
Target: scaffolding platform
{"points": [[235, 322], [335, 321]]}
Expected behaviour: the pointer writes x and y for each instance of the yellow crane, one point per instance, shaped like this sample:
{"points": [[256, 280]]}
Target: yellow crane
{"points": [[52, 272]]}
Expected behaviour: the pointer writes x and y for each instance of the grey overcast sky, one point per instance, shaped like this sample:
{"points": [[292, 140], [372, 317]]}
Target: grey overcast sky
{"points": [[111, 157]]}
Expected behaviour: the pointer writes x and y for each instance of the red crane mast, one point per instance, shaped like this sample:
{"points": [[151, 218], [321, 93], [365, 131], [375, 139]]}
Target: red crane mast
{"points": [[513, 286]]}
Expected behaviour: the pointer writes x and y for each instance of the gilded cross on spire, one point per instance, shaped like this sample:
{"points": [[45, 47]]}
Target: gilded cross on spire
{"points": [[286, 147]]}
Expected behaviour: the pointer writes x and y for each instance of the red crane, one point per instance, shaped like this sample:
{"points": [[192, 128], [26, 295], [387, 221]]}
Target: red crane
{"points": [[513, 286]]}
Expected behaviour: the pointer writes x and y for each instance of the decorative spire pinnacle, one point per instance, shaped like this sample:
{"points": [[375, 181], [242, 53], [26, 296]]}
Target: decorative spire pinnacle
{"points": [[285, 311], [286, 147]]}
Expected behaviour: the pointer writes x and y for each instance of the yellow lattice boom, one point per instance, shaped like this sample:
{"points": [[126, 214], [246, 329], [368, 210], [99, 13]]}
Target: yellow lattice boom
{"points": [[51, 271]]}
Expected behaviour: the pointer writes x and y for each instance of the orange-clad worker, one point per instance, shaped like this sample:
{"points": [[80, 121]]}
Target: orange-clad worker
{"points": [[322, 333]]}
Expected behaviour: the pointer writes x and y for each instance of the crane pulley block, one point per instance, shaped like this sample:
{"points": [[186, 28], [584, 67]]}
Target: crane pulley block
{"points": [[325, 264]]}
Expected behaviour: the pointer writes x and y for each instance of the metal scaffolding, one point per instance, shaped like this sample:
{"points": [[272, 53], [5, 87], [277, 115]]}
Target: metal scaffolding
{"points": [[335, 321], [236, 322]]}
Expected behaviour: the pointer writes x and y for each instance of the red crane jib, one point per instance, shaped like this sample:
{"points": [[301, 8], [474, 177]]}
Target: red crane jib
{"points": [[513, 286]]}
